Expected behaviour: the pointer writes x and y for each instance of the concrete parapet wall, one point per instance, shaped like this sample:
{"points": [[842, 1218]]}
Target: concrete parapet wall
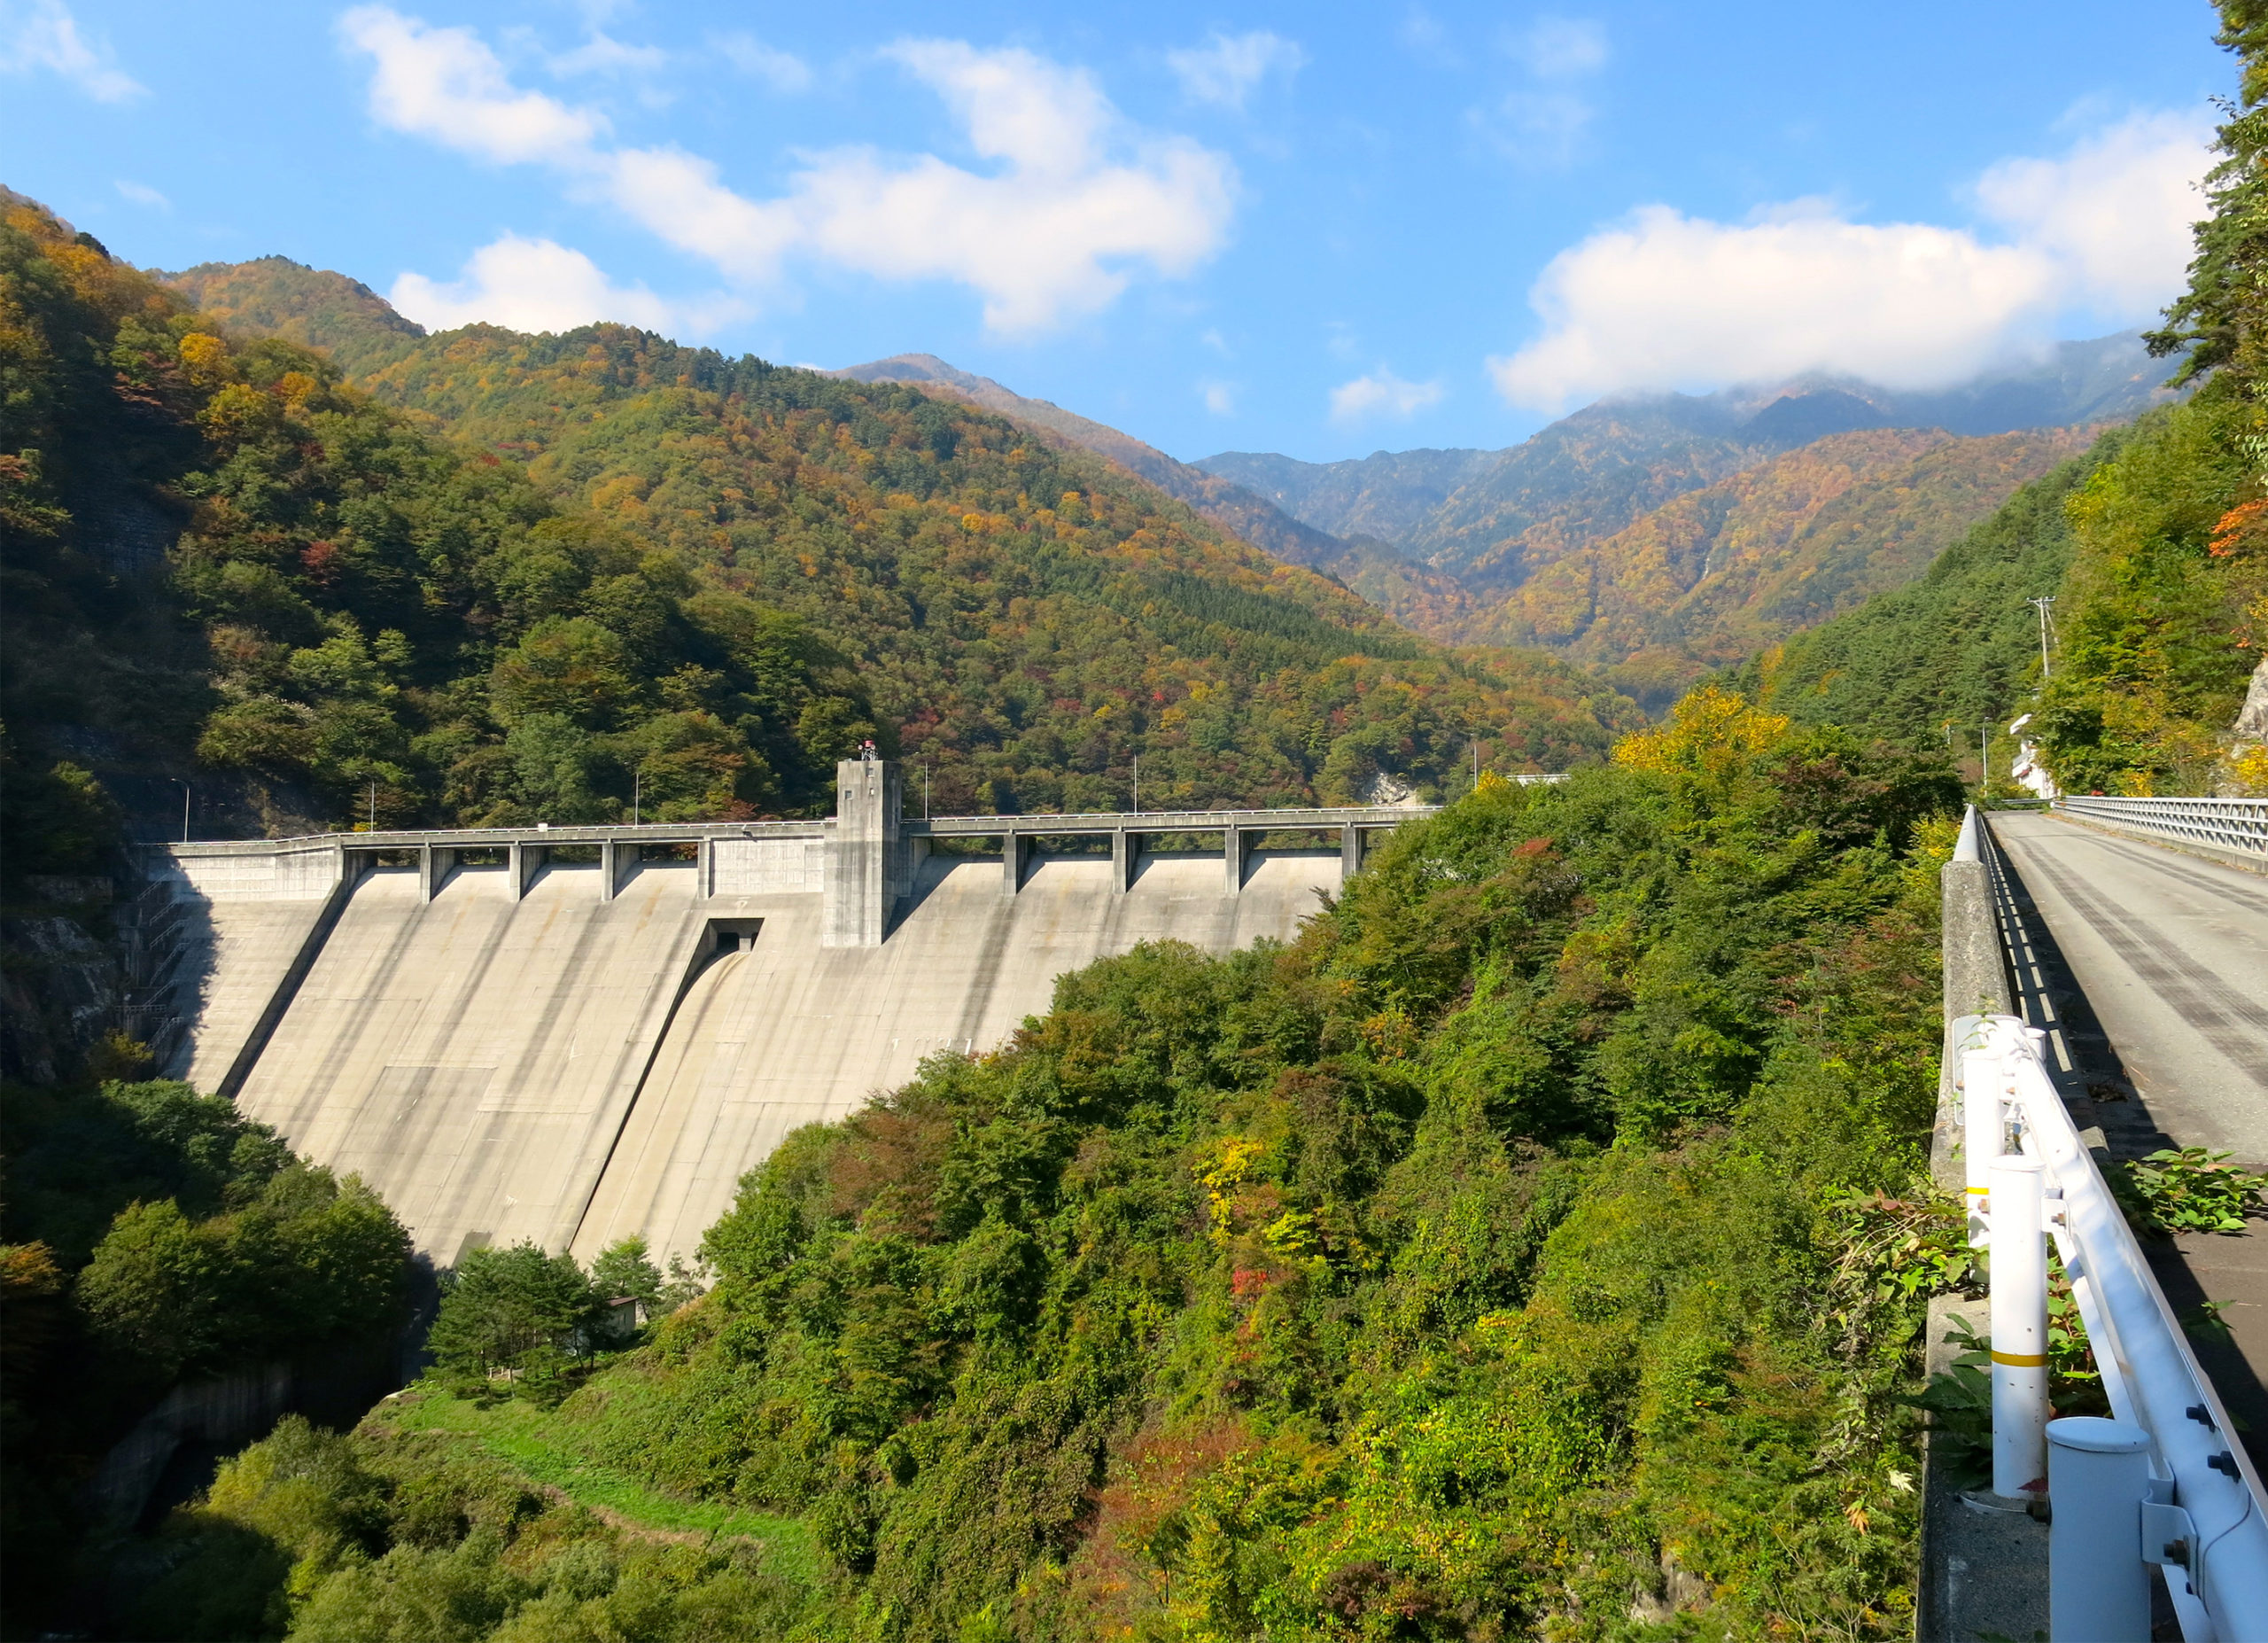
{"points": [[759, 867], [1976, 983], [260, 872]]}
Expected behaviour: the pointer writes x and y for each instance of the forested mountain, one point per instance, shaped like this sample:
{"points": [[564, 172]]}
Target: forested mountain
{"points": [[1657, 538], [1454, 509], [1601, 534], [2152, 548], [1430, 601], [510, 577], [1228, 505], [1933, 662], [1713, 574], [277, 297], [1727, 570]]}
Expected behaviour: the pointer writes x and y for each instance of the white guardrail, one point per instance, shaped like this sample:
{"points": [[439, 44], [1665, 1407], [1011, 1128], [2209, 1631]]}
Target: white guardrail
{"points": [[2239, 825], [2165, 1480]]}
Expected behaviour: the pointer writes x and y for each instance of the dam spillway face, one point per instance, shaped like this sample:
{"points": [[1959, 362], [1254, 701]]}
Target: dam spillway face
{"points": [[573, 1035]]}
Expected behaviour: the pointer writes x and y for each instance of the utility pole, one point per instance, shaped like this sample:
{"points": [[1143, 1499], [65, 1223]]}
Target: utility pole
{"points": [[374, 807], [2040, 604], [1476, 764], [637, 794], [1137, 784], [1984, 758], [925, 790], [184, 809]]}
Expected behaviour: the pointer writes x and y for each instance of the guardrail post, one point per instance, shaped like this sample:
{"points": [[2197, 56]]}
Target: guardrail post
{"points": [[2019, 1284], [2098, 1585], [1984, 1133]]}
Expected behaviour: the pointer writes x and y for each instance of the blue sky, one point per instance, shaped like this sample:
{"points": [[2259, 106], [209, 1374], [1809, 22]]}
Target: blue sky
{"points": [[1322, 230]]}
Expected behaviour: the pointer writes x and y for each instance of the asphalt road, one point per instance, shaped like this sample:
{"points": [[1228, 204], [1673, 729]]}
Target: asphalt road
{"points": [[2149, 968], [2172, 952]]}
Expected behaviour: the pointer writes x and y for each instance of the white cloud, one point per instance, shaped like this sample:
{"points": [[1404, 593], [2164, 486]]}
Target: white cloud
{"points": [[603, 54], [445, 84], [1539, 126], [1381, 394], [1423, 37], [43, 35], [1537, 129], [1663, 300], [782, 71], [528, 284], [677, 197], [2116, 211], [1559, 48], [1220, 397], [1077, 200], [143, 194], [1226, 69]]}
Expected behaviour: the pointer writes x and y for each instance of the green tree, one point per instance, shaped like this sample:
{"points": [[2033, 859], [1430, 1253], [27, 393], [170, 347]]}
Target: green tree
{"points": [[500, 1305], [625, 1269]]}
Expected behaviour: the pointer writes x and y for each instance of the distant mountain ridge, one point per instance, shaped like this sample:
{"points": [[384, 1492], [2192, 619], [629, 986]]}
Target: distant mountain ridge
{"points": [[1225, 502], [1494, 516], [1656, 537]]}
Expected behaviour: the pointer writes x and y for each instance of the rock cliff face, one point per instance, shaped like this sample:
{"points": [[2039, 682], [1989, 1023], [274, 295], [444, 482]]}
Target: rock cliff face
{"points": [[2244, 770], [2252, 719], [59, 992]]}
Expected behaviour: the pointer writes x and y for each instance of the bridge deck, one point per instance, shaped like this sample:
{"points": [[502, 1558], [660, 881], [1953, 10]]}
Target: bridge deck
{"points": [[2150, 968]]}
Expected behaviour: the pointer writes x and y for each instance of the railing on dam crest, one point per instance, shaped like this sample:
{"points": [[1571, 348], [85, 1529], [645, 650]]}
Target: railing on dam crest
{"points": [[862, 860]]}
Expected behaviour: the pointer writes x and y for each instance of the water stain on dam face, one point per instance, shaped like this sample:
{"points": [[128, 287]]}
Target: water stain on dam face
{"points": [[574, 1054]]}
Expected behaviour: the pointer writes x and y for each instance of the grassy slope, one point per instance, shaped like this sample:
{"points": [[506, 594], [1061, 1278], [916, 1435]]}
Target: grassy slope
{"points": [[548, 1447]]}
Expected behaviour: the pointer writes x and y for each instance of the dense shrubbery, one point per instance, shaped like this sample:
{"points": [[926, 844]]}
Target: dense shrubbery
{"points": [[518, 1319], [152, 1234], [1506, 1255], [418, 1537]]}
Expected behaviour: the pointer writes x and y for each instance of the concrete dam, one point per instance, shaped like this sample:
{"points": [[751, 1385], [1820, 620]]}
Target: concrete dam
{"points": [[572, 1034]]}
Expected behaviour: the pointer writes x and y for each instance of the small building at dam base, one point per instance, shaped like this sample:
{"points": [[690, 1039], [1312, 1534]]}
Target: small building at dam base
{"points": [[574, 1034]]}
